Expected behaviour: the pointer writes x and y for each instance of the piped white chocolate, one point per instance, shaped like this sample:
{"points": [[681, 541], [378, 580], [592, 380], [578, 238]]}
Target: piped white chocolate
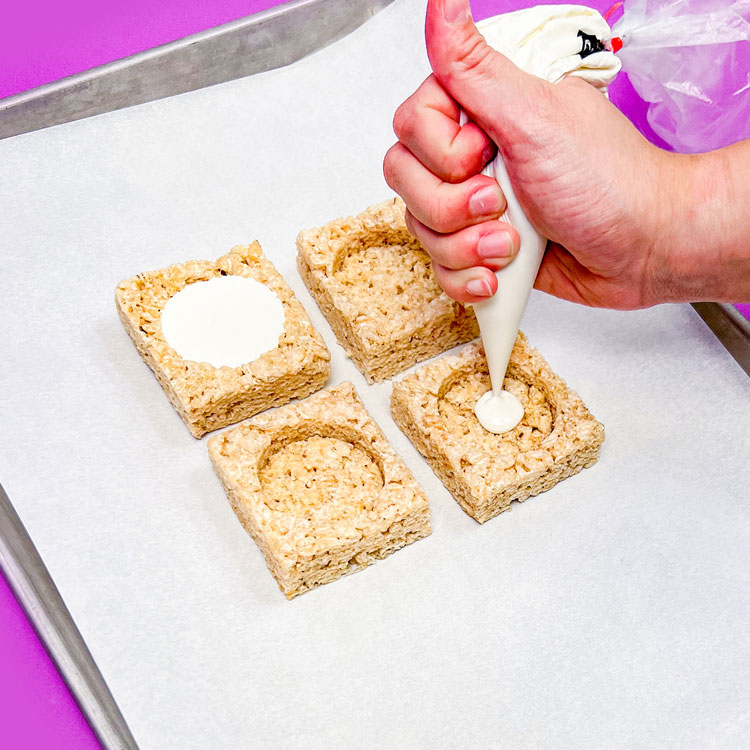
{"points": [[225, 321]]}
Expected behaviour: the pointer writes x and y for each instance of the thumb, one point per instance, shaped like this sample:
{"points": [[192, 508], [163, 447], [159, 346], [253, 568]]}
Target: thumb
{"points": [[491, 89]]}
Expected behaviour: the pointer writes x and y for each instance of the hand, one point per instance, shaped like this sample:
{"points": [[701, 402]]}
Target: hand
{"points": [[585, 177]]}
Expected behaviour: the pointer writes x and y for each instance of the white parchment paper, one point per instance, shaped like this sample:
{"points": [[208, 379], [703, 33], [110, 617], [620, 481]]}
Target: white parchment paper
{"points": [[612, 611]]}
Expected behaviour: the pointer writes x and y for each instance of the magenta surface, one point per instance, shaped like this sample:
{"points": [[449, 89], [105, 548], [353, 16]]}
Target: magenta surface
{"points": [[36, 710], [42, 42]]}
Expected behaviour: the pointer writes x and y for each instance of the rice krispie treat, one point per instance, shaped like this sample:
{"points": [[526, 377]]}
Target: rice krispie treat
{"points": [[205, 396], [557, 437], [319, 488], [375, 285]]}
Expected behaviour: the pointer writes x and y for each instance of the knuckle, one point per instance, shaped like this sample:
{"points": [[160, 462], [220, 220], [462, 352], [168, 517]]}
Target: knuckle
{"points": [[410, 226], [465, 155], [452, 166], [430, 85], [432, 247], [474, 57], [440, 273], [388, 169], [459, 164], [402, 121], [432, 250]]}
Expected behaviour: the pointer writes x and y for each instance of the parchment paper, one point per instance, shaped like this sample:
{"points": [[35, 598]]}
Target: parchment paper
{"points": [[612, 611]]}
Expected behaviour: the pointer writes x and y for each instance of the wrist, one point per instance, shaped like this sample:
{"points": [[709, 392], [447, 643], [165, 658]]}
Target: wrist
{"points": [[700, 227]]}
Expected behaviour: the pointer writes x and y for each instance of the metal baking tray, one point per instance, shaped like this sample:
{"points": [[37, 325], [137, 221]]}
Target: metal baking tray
{"points": [[254, 44], [731, 327]]}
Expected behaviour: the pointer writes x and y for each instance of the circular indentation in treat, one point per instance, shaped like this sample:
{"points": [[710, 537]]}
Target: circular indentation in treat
{"points": [[456, 406], [387, 282], [322, 477], [225, 321]]}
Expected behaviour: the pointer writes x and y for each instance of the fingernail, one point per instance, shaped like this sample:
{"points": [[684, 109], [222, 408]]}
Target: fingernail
{"points": [[456, 11], [495, 246], [486, 202], [478, 288], [488, 153]]}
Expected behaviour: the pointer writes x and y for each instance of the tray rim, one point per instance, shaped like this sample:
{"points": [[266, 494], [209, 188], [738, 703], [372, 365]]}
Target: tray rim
{"points": [[40, 599], [730, 326], [256, 43]]}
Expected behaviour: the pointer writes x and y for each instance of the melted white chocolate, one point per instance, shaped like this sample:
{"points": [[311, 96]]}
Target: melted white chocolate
{"points": [[226, 321], [498, 412], [545, 41]]}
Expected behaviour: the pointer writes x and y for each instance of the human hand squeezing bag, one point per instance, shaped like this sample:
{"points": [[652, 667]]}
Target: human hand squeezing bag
{"points": [[628, 225]]}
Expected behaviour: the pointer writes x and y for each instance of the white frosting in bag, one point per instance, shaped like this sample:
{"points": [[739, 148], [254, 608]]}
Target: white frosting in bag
{"points": [[546, 40], [225, 321]]}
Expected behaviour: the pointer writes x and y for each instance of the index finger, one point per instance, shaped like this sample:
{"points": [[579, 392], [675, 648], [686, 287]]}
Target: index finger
{"points": [[427, 123]]}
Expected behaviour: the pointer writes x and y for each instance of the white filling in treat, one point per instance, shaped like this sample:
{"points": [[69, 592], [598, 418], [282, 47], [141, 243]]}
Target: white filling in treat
{"points": [[551, 42], [225, 321]]}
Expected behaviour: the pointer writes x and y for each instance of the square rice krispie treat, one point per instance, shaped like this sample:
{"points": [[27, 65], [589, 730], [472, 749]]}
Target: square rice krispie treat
{"points": [[374, 284], [209, 397], [557, 437], [319, 488]]}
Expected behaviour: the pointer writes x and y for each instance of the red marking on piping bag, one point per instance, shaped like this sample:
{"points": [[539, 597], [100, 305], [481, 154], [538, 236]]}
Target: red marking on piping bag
{"points": [[616, 43]]}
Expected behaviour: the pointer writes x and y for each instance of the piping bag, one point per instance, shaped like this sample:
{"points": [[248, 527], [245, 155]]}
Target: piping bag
{"points": [[671, 49], [550, 41]]}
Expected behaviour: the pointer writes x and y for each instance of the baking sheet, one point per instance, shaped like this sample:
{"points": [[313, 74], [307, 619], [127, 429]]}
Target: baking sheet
{"points": [[611, 611]]}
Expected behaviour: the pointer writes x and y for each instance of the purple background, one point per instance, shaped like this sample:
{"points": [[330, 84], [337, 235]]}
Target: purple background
{"points": [[42, 42]]}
